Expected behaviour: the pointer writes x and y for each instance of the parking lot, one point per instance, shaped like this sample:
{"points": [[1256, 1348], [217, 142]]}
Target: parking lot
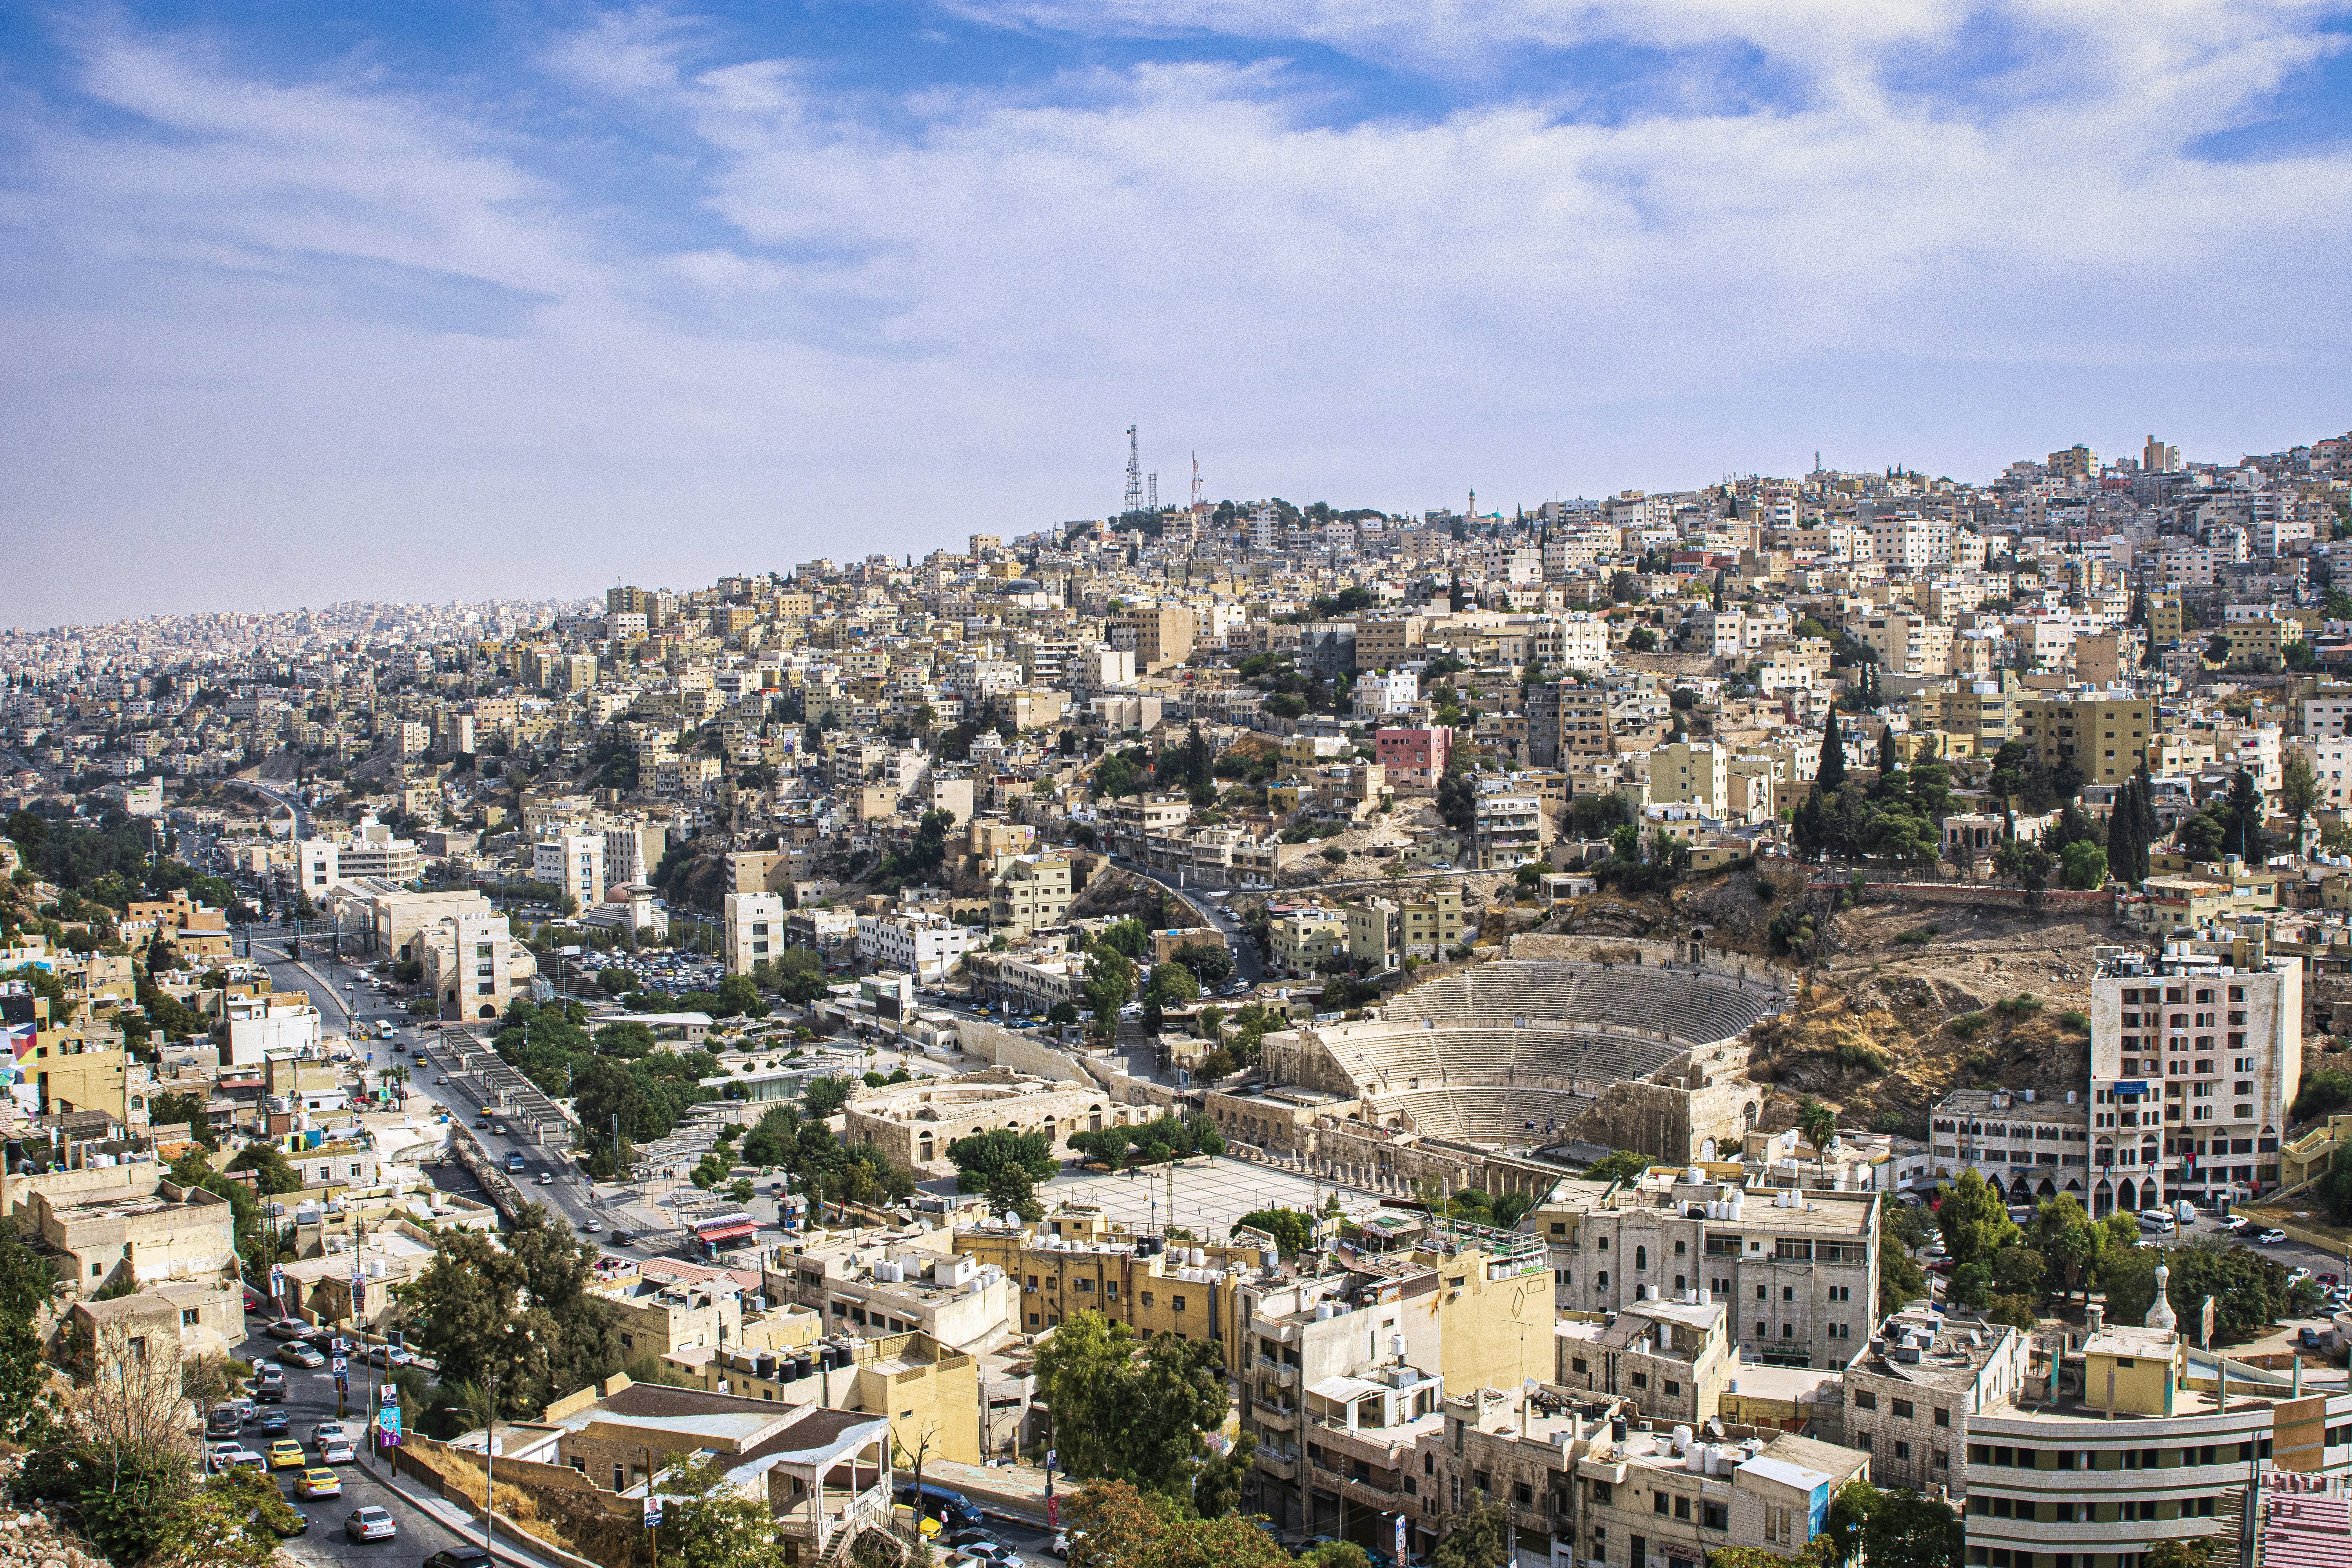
{"points": [[1211, 1194]]}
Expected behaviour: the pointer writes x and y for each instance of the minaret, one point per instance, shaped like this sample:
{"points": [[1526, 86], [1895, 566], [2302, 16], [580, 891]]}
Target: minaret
{"points": [[2159, 1312]]}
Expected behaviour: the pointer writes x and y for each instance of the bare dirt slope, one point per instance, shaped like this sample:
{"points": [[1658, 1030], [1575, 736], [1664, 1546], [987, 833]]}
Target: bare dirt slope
{"points": [[1899, 1004]]}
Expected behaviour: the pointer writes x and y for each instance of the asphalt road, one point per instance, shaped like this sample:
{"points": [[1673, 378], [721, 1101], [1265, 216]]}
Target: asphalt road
{"points": [[311, 1399]]}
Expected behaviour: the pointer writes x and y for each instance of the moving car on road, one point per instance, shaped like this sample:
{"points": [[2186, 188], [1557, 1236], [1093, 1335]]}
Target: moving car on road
{"points": [[370, 1524], [286, 1453], [301, 1355], [312, 1485]]}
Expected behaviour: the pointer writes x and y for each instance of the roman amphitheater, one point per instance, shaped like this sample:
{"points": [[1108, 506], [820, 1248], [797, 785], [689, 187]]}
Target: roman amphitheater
{"points": [[1487, 1077]]}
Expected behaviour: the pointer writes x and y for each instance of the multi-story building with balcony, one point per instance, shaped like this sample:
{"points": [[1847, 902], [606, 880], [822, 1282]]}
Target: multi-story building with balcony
{"points": [[1797, 1270], [2194, 1062], [2030, 1149], [2137, 1439], [1031, 894]]}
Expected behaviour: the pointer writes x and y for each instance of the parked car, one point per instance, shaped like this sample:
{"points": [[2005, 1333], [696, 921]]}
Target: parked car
{"points": [[459, 1557], [2271, 1238], [946, 1502], [288, 1329], [303, 1356], [370, 1524], [2311, 1339], [222, 1423], [624, 1238], [994, 1552]]}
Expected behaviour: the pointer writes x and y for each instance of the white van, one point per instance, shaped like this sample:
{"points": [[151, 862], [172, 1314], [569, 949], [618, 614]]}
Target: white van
{"points": [[2159, 1220]]}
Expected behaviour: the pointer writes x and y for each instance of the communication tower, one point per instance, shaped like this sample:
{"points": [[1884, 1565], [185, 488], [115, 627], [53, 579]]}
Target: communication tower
{"points": [[1134, 474]]}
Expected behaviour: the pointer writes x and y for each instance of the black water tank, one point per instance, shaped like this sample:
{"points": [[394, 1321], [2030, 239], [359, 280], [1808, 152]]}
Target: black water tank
{"points": [[765, 1366], [801, 1364], [1617, 1429]]}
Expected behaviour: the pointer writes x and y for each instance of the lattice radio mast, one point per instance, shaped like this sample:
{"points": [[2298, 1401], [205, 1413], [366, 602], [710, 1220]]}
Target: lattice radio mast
{"points": [[1196, 482], [1134, 474], [1151, 481]]}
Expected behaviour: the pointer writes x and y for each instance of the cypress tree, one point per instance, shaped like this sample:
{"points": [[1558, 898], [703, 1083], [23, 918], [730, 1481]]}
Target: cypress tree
{"points": [[1832, 771], [1888, 761]]}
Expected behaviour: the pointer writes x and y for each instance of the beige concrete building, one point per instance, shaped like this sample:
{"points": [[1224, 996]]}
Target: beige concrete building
{"points": [[1031, 893], [754, 926], [1909, 1396], [138, 1226], [1796, 1272], [913, 1123], [1669, 1358]]}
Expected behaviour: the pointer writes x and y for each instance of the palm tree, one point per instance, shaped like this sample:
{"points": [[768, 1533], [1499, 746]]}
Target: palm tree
{"points": [[1817, 1122]]}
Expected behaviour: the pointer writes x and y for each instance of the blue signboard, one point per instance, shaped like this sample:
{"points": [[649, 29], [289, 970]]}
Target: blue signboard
{"points": [[2131, 1088], [1821, 1509]]}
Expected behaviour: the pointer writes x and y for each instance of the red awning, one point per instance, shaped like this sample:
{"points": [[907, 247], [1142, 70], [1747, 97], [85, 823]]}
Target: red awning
{"points": [[726, 1232]]}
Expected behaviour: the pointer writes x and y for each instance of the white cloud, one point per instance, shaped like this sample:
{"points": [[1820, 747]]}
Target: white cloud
{"points": [[345, 310]]}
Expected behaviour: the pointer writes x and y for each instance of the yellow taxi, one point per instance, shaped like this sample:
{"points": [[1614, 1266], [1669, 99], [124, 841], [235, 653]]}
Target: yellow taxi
{"points": [[286, 1453], [317, 1484]]}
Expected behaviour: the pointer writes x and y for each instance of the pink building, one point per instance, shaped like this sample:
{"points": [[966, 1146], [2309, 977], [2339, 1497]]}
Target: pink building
{"points": [[1414, 759]]}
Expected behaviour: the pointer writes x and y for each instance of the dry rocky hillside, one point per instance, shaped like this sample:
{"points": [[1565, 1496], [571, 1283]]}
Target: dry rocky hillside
{"points": [[1898, 1004]]}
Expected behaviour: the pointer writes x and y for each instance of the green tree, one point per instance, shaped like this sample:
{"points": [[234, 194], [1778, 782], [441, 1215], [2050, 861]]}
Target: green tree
{"points": [[1901, 1281], [2018, 1271], [1908, 1531], [1831, 771], [2085, 867], [521, 1312], [825, 1096], [1975, 1220], [2193, 1551], [2063, 1234], [1479, 1537], [1109, 985], [270, 1170], [170, 1108], [739, 997], [709, 1522], [799, 976], [29, 1289], [224, 1521], [1624, 1165], [1128, 1412], [2298, 790], [1293, 1232]]}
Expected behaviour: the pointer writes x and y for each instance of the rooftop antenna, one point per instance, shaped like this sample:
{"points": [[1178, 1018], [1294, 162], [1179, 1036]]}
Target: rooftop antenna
{"points": [[1134, 473], [1152, 480]]}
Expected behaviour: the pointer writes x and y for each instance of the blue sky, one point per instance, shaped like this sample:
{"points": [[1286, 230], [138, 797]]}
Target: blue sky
{"points": [[309, 302]]}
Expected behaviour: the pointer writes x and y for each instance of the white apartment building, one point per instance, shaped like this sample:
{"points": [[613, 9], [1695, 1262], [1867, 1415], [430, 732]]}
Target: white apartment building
{"points": [[2193, 1064], [321, 864], [573, 862], [1386, 696], [754, 929], [923, 945], [1909, 544]]}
